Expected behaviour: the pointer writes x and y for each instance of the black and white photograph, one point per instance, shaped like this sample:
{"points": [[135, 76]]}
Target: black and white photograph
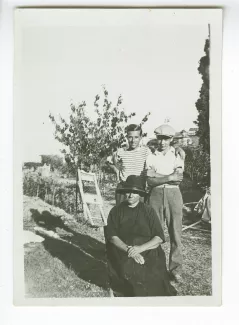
{"points": [[117, 157]]}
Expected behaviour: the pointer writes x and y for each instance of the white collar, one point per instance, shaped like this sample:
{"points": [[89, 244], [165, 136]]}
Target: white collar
{"points": [[171, 149]]}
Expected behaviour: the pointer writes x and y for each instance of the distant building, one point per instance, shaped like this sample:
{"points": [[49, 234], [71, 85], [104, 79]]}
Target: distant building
{"points": [[184, 138], [192, 131], [195, 140], [44, 170]]}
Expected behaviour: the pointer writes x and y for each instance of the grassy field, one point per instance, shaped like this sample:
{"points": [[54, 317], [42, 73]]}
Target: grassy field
{"points": [[51, 270], [74, 265]]}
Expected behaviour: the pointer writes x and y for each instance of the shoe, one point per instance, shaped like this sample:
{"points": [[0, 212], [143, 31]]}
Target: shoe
{"points": [[175, 277]]}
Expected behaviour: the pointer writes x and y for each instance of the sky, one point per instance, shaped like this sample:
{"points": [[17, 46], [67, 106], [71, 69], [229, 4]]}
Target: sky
{"points": [[153, 65]]}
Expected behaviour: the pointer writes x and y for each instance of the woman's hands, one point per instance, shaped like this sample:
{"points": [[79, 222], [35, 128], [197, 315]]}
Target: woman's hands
{"points": [[139, 259], [134, 250]]}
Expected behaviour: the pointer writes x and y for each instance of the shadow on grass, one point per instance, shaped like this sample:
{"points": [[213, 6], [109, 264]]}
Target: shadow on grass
{"points": [[85, 267], [81, 253]]}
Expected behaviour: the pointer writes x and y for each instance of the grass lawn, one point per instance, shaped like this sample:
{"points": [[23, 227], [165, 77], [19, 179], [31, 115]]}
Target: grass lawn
{"points": [[48, 276], [197, 268], [74, 264]]}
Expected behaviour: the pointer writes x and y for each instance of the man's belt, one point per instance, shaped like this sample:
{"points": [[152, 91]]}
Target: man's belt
{"points": [[166, 186]]}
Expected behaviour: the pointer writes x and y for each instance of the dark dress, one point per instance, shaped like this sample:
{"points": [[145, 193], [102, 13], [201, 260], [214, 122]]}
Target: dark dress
{"points": [[136, 226]]}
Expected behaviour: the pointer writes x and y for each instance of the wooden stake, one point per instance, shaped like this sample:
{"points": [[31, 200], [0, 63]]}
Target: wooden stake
{"points": [[192, 225]]}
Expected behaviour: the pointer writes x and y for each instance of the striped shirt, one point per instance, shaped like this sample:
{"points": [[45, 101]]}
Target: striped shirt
{"points": [[132, 161]]}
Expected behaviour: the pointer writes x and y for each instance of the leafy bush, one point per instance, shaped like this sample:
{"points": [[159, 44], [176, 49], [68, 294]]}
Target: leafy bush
{"points": [[32, 165], [197, 165], [61, 192], [53, 190], [55, 161]]}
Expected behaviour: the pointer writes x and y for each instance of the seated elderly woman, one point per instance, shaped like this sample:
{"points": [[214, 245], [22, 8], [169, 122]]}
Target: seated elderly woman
{"points": [[137, 263]]}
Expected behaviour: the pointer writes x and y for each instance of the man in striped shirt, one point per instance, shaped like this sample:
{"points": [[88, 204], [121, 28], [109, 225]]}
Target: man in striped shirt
{"points": [[130, 161]]}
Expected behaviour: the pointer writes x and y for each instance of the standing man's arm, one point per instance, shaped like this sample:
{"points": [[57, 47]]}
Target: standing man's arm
{"points": [[112, 161], [155, 179], [179, 152], [174, 178], [118, 163], [114, 168]]}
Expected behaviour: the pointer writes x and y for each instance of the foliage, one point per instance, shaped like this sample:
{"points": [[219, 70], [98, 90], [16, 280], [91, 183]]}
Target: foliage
{"points": [[61, 192], [58, 192], [55, 161], [30, 183], [202, 103], [31, 165], [197, 165], [89, 141]]}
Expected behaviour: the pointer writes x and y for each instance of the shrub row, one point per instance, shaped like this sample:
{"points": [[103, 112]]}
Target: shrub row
{"points": [[62, 192], [53, 190]]}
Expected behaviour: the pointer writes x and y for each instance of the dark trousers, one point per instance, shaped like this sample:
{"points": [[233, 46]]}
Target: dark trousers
{"points": [[121, 197], [168, 204]]}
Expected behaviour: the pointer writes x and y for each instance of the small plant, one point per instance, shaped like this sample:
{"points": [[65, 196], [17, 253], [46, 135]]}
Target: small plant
{"points": [[197, 166]]}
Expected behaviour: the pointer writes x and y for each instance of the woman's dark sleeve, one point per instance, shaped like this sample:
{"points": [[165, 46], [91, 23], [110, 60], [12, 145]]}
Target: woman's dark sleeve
{"points": [[155, 225], [111, 228]]}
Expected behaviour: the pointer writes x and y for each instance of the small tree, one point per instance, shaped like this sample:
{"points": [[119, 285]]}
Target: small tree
{"points": [[88, 142]]}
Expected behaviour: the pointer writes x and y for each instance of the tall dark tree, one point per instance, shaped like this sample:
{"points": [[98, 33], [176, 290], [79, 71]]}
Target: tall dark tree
{"points": [[203, 102]]}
